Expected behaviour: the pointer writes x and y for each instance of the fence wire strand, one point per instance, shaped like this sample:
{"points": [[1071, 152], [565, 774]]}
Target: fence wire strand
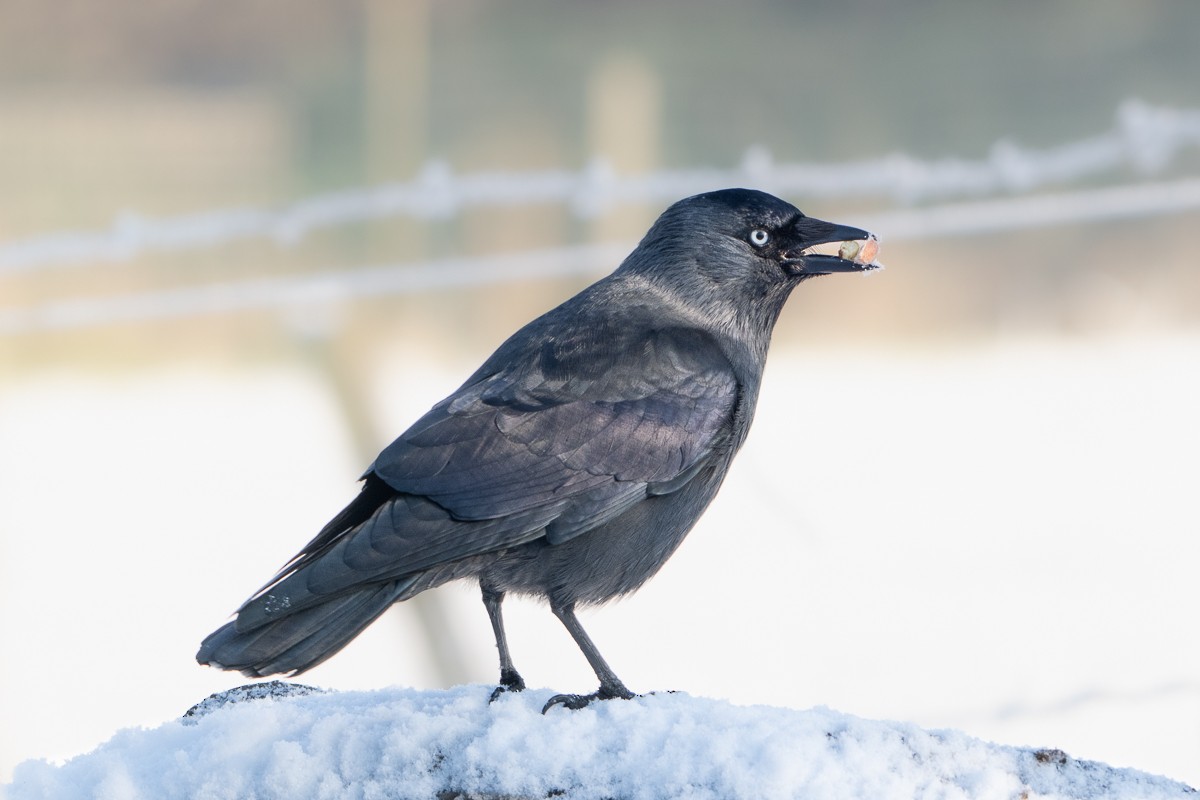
{"points": [[1145, 138]]}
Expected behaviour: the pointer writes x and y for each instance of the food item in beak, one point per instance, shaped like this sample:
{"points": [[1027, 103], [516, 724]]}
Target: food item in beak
{"points": [[860, 252]]}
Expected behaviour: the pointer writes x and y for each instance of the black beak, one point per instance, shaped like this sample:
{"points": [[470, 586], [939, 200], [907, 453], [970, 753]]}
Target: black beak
{"points": [[808, 232]]}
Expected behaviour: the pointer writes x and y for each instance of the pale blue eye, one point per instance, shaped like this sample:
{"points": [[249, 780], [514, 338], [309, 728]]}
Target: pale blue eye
{"points": [[759, 237]]}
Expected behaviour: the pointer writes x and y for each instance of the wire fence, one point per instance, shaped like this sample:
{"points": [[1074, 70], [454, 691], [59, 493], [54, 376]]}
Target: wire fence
{"points": [[1144, 139]]}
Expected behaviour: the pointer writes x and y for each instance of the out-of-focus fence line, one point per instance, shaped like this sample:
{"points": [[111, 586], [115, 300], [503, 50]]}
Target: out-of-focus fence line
{"points": [[334, 286], [1144, 138], [307, 291]]}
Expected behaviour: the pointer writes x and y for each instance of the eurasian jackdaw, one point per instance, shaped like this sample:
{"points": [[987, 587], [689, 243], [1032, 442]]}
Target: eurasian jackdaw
{"points": [[575, 460]]}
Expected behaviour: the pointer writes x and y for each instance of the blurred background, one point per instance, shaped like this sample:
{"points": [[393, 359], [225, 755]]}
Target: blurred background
{"points": [[242, 248]]}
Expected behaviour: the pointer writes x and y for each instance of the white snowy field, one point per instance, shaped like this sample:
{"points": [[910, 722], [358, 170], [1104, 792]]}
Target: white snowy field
{"points": [[403, 743], [1000, 538]]}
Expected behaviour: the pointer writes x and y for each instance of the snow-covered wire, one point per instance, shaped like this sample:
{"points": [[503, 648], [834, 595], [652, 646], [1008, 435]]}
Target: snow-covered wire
{"points": [[327, 288], [1145, 138], [308, 291], [1037, 211]]}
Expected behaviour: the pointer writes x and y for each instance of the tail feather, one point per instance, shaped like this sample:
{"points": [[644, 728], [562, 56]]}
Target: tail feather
{"points": [[296, 642]]}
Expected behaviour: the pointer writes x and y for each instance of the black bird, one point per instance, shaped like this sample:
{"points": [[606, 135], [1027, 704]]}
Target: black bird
{"points": [[575, 460]]}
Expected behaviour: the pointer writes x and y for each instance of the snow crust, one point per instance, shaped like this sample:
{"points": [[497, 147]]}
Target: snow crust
{"points": [[405, 743]]}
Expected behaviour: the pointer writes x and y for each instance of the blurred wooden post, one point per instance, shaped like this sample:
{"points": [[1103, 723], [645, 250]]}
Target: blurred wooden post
{"points": [[625, 131], [396, 85]]}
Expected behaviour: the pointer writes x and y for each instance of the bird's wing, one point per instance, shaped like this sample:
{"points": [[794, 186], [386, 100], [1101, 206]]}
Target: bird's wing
{"points": [[581, 416], [550, 444]]}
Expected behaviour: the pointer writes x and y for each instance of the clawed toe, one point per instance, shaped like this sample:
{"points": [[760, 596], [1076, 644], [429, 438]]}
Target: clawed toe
{"points": [[578, 701], [572, 701], [510, 681]]}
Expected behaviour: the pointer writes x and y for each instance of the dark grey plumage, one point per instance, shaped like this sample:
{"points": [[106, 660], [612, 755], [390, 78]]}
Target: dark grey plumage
{"points": [[574, 461]]}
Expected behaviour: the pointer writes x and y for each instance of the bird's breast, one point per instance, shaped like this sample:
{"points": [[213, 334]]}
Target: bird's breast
{"points": [[612, 559]]}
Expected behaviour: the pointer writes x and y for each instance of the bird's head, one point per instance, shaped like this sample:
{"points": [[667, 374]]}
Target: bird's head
{"points": [[734, 255], [754, 226]]}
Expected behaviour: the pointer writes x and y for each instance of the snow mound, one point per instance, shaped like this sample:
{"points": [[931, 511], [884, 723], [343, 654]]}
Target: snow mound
{"points": [[401, 743]]}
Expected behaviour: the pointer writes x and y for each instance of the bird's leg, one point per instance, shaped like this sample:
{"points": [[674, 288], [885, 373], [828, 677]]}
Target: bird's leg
{"points": [[510, 679], [610, 684]]}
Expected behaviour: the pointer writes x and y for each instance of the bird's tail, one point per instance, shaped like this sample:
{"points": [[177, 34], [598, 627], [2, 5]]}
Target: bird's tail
{"points": [[295, 642]]}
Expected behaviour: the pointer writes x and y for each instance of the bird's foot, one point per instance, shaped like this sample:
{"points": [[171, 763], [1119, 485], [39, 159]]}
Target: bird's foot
{"points": [[578, 701], [510, 681]]}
